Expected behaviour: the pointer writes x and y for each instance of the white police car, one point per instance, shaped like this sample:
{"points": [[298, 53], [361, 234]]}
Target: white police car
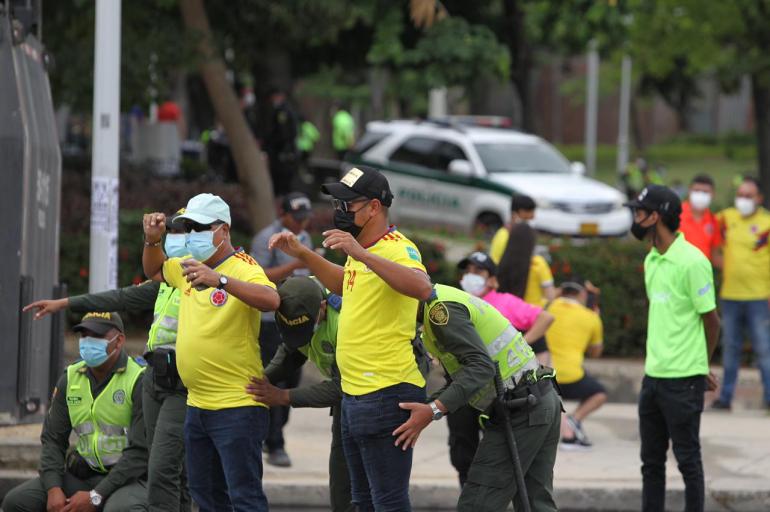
{"points": [[449, 174]]}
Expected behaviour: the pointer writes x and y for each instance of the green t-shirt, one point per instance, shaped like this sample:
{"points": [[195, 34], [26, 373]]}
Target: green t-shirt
{"points": [[680, 288]]}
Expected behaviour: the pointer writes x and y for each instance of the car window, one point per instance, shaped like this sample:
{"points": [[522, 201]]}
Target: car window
{"points": [[427, 152], [368, 141], [510, 157]]}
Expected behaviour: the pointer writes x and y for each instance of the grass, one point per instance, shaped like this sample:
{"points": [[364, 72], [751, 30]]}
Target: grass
{"points": [[681, 162]]}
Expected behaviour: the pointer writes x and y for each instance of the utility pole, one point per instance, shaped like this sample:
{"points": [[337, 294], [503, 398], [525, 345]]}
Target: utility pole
{"points": [[105, 148], [623, 116], [592, 105]]}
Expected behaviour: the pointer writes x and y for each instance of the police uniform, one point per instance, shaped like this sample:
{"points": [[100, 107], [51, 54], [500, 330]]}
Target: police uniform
{"points": [[300, 301], [110, 456], [469, 337], [164, 396]]}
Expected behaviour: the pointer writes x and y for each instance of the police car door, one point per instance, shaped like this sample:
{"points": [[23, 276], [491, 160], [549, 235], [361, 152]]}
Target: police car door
{"points": [[425, 189]]}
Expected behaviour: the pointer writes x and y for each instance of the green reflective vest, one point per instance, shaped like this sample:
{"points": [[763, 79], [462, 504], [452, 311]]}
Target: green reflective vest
{"points": [[343, 130], [101, 423], [322, 347], [307, 137], [506, 346], [165, 320]]}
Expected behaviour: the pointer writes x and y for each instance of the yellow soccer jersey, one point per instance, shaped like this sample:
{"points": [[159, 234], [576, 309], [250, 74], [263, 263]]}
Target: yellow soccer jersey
{"points": [[377, 324], [747, 255], [217, 344], [574, 329]]}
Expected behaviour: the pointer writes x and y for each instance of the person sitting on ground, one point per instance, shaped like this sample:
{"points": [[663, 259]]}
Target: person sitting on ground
{"points": [[576, 331]]}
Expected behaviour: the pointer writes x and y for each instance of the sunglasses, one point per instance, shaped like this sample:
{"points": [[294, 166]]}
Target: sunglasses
{"points": [[190, 226], [345, 206]]}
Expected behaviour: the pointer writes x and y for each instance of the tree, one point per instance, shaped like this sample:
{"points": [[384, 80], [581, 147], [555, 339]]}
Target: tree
{"points": [[729, 39], [252, 171]]}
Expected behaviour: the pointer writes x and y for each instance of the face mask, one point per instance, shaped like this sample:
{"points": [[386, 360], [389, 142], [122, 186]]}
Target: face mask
{"points": [[700, 200], [175, 245], [745, 205], [473, 284], [94, 350], [639, 231], [200, 245], [345, 221]]}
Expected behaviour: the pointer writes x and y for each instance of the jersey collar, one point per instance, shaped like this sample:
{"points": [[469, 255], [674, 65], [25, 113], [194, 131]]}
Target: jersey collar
{"points": [[236, 251], [391, 229]]}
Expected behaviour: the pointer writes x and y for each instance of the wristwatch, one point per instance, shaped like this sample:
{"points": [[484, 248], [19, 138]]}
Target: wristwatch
{"points": [[96, 498], [437, 414], [222, 282]]}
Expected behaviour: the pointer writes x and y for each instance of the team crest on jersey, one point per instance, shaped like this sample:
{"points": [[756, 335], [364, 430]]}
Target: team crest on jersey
{"points": [[439, 314], [218, 298], [119, 397]]}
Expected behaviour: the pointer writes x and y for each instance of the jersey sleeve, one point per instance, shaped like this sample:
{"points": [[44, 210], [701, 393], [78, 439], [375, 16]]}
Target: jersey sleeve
{"points": [[172, 272], [544, 276], [597, 333], [699, 280], [251, 272], [405, 253], [521, 315], [497, 247]]}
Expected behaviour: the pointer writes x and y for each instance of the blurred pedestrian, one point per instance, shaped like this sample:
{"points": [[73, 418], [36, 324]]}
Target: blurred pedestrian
{"points": [[522, 210], [307, 138], [281, 142], [222, 292], [295, 215], [745, 292], [576, 331], [698, 225], [343, 131], [682, 333]]}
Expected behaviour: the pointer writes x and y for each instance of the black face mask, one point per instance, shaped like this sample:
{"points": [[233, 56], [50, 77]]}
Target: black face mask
{"points": [[345, 221], [639, 231]]}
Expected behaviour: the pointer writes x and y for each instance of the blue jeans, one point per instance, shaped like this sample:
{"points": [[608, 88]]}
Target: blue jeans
{"points": [[224, 458], [379, 470], [753, 316]]}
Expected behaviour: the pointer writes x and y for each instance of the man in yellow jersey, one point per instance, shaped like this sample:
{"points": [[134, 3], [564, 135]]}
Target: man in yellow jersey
{"points": [[745, 287], [381, 283], [522, 210], [223, 291]]}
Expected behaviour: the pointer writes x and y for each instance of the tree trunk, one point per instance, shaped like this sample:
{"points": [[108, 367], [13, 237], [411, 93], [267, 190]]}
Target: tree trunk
{"points": [[760, 89], [521, 60], [250, 165]]}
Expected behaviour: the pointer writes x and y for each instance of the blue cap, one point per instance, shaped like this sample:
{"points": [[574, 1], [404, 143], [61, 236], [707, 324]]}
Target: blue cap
{"points": [[205, 209]]}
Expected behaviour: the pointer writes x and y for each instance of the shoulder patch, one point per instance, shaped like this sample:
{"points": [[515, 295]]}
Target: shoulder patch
{"points": [[335, 301], [439, 314], [413, 253]]}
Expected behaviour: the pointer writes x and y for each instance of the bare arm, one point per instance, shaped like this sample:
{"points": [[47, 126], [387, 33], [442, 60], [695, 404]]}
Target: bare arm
{"points": [[153, 256], [595, 351], [711, 325], [549, 292], [281, 272], [328, 273], [537, 331], [258, 296]]}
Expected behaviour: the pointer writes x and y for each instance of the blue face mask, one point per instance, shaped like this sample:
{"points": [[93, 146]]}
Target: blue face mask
{"points": [[175, 245], [94, 350], [200, 244]]}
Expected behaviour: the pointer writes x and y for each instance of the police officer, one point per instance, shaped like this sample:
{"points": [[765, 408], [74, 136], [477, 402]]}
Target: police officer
{"points": [[470, 337], [163, 394], [307, 321], [99, 399]]}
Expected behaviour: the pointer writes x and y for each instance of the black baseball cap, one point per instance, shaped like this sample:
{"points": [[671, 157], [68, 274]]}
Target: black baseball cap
{"points": [[481, 260], [361, 181], [297, 204], [657, 198], [99, 323], [295, 318]]}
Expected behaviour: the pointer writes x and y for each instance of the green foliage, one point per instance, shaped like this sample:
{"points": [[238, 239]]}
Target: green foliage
{"points": [[616, 267]]}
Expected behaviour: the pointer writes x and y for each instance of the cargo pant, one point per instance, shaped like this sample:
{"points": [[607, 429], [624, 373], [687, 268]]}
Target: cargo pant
{"points": [[164, 413], [491, 484], [31, 496]]}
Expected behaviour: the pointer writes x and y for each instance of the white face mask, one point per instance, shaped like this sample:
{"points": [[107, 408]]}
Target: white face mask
{"points": [[745, 205], [700, 200], [473, 284]]}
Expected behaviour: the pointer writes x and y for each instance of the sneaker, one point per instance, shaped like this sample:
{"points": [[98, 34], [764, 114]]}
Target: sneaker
{"points": [[577, 428], [574, 445], [719, 405], [279, 458]]}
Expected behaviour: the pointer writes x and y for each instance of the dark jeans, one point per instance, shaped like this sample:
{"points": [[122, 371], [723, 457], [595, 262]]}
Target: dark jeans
{"points": [[269, 340], [464, 437], [379, 470], [224, 458], [670, 409], [754, 317]]}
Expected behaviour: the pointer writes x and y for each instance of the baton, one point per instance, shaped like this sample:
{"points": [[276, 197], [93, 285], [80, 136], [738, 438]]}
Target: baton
{"points": [[503, 406]]}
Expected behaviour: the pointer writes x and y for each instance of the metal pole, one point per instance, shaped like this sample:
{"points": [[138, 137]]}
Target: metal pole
{"points": [[105, 147], [592, 105], [623, 116]]}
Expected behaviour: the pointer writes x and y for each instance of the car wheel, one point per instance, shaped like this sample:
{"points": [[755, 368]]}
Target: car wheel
{"points": [[487, 223]]}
